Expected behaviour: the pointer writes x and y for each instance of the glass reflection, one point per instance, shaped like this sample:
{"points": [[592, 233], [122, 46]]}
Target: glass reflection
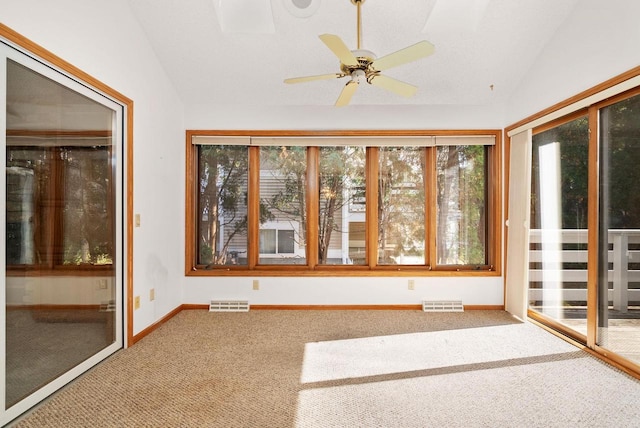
{"points": [[60, 281], [558, 233], [619, 248]]}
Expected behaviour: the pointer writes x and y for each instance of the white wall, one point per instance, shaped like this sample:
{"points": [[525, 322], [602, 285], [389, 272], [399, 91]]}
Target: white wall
{"points": [[599, 40], [103, 39], [345, 290], [350, 117]]}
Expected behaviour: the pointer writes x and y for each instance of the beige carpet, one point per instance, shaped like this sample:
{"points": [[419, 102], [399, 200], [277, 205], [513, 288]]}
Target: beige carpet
{"points": [[346, 369]]}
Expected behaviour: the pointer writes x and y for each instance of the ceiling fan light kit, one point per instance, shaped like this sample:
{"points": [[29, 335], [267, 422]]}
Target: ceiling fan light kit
{"points": [[362, 65]]}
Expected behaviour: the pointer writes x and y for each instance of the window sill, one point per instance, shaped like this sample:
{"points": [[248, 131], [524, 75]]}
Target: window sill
{"points": [[341, 271]]}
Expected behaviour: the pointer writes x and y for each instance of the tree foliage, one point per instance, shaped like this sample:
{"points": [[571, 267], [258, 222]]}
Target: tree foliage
{"points": [[401, 203], [223, 202], [340, 169], [620, 137], [461, 199], [620, 155], [573, 138]]}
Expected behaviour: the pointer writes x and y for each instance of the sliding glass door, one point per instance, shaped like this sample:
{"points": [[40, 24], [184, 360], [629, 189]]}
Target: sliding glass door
{"points": [[62, 228], [619, 226], [584, 241]]}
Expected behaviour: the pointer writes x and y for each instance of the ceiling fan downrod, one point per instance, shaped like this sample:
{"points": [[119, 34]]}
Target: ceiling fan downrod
{"points": [[358, 3]]}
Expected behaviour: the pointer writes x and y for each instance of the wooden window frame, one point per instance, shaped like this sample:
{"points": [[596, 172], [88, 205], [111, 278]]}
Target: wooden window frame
{"points": [[370, 268]]}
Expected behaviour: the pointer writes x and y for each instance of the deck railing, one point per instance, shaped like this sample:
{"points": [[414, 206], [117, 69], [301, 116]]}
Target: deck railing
{"points": [[558, 260]]}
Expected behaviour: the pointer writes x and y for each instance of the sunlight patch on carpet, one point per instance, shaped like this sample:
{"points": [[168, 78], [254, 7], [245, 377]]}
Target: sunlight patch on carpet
{"points": [[382, 355]]}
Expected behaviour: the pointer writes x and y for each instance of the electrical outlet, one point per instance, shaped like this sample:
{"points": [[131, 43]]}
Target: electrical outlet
{"points": [[152, 294], [412, 284], [136, 302], [102, 284], [256, 284]]}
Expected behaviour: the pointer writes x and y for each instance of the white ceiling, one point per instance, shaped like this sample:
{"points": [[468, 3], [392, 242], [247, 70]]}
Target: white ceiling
{"points": [[483, 47]]}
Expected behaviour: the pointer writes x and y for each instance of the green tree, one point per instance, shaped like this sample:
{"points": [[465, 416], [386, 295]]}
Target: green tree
{"points": [[288, 167], [620, 136], [573, 137], [401, 203], [223, 201], [340, 169], [461, 187]]}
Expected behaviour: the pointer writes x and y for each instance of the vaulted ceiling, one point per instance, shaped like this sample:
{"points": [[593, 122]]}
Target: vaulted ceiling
{"points": [[238, 52]]}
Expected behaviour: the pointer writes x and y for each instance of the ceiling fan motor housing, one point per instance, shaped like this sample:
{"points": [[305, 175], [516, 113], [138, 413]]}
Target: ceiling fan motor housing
{"points": [[365, 58]]}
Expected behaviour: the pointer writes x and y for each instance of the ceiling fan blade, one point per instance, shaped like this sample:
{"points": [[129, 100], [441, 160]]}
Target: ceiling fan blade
{"points": [[393, 85], [347, 93], [310, 78], [341, 50], [403, 56]]}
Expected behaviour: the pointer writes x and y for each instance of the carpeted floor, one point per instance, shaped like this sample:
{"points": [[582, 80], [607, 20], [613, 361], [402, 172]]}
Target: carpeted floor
{"points": [[346, 369]]}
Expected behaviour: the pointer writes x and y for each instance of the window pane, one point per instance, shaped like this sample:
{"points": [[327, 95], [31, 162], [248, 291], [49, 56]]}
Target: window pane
{"points": [[619, 229], [88, 222], [342, 203], [461, 205], [222, 205], [282, 197], [558, 235], [285, 242], [401, 206], [267, 241]]}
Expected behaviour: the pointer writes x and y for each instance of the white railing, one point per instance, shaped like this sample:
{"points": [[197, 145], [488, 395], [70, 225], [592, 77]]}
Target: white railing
{"points": [[550, 258]]}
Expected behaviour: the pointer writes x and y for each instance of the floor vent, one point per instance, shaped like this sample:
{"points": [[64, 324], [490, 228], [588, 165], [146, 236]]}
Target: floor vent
{"points": [[229, 306], [442, 306]]}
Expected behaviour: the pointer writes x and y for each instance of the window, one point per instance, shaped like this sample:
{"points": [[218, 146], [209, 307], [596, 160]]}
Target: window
{"points": [[276, 241], [327, 204], [401, 206], [461, 205], [283, 179], [222, 205], [341, 202]]}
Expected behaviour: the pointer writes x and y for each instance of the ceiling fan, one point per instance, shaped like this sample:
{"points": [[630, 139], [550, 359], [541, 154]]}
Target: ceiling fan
{"points": [[363, 66]]}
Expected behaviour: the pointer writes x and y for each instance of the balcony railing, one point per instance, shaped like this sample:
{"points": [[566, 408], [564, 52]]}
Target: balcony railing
{"points": [[558, 261]]}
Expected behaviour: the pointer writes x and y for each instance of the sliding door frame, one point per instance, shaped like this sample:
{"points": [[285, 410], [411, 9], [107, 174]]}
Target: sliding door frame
{"points": [[590, 101], [20, 49]]}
